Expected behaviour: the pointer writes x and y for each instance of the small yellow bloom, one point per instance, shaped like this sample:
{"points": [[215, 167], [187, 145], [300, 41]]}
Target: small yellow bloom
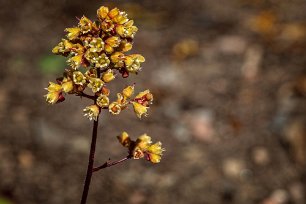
{"points": [[111, 43], [67, 85], [79, 78], [124, 139], [102, 13], [95, 84], [85, 25], [143, 141], [125, 46], [53, 87], [63, 48], [114, 12], [154, 152], [128, 91], [144, 97], [140, 109], [108, 76], [114, 108], [73, 33], [103, 101], [75, 61], [133, 62], [102, 61], [53, 97], [127, 30], [118, 59], [96, 45], [91, 112]]}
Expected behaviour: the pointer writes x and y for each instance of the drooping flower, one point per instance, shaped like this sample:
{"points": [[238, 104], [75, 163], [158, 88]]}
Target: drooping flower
{"points": [[54, 94], [91, 112], [85, 25], [67, 85], [140, 110], [73, 33]]}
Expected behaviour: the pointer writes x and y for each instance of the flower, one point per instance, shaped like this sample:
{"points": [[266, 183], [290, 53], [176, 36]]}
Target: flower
{"points": [[144, 98], [111, 43], [67, 85], [127, 30], [73, 33], [118, 59], [54, 94], [85, 25], [91, 112], [133, 62], [102, 101], [75, 61], [140, 109], [142, 147], [108, 76], [96, 45], [95, 84], [79, 78], [114, 108], [154, 152], [128, 91]]}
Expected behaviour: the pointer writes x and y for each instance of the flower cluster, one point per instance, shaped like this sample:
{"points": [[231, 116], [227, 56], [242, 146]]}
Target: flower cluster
{"points": [[98, 49], [142, 147], [96, 55]]}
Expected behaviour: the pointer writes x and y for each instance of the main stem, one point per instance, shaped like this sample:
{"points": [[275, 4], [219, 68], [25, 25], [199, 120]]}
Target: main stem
{"points": [[90, 161]]}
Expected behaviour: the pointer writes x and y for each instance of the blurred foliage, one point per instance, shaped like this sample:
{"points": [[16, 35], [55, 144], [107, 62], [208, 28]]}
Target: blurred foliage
{"points": [[4, 201], [50, 64]]}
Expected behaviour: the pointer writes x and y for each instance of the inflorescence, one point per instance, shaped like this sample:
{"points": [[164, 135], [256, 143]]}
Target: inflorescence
{"points": [[99, 48]]}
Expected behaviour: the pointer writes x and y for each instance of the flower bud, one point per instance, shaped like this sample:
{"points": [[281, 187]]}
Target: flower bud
{"points": [[54, 97], [73, 33], [102, 13], [124, 139], [85, 25], [128, 91], [67, 86]]}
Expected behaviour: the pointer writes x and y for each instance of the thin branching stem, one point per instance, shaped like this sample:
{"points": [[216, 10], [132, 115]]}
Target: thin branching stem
{"points": [[109, 163]]}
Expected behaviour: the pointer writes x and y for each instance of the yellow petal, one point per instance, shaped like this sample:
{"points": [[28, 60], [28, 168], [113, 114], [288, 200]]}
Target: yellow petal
{"points": [[140, 109], [124, 139], [102, 12]]}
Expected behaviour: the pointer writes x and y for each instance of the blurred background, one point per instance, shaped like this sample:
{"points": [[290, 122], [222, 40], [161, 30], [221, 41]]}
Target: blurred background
{"points": [[229, 80]]}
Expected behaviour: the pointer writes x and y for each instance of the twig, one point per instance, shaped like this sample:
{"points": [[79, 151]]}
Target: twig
{"points": [[109, 163]]}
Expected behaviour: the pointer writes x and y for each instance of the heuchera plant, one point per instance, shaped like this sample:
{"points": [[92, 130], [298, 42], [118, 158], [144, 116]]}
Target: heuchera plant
{"points": [[96, 56]]}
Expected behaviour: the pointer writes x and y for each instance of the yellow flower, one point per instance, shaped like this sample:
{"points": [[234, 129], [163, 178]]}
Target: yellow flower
{"points": [[54, 97], [111, 43], [127, 30], [64, 47], [102, 101], [108, 76], [102, 61], [73, 33], [67, 85], [95, 84], [96, 45], [125, 46], [140, 109], [85, 25], [114, 108], [75, 61], [53, 87], [133, 62], [102, 13], [143, 141], [144, 97], [154, 152], [124, 139], [79, 78], [118, 59], [128, 91], [91, 112]]}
